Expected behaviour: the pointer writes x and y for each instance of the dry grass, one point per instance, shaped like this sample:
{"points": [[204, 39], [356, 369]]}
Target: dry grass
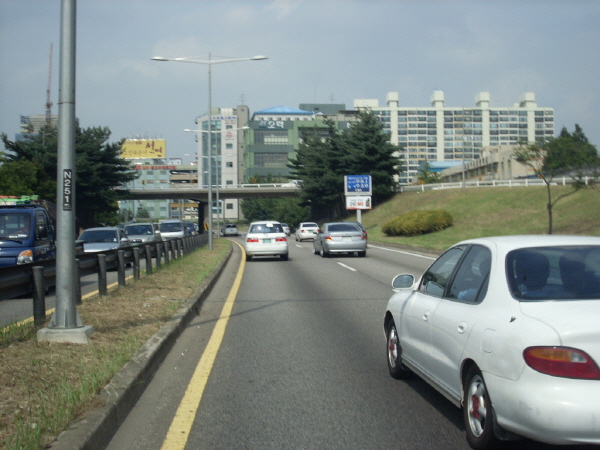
{"points": [[45, 386]]}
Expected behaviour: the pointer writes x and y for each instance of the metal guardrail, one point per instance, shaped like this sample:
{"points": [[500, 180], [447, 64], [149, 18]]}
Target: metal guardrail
{"points": [[20, 280], [523, 182]]}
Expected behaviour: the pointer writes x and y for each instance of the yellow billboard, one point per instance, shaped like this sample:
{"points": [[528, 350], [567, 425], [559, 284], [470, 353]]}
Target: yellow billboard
{"points": [[143, 148]]}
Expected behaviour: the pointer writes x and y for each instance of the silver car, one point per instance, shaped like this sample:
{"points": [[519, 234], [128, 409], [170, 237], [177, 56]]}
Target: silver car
{"points": [[266, 238], [142, 233], [229, 229], [340, 237], [102, 239]]}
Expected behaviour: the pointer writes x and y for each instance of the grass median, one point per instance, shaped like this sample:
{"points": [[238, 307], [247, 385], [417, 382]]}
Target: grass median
{"points": [[46, 386]]}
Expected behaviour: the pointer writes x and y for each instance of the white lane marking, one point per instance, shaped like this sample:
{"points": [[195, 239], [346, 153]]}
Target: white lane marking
{"points": [[347, 267], [402, 251]]}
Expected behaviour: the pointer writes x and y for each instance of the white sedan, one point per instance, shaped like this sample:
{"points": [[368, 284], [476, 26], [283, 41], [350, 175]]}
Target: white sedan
{"points": [[508, 329], [266, 238]]}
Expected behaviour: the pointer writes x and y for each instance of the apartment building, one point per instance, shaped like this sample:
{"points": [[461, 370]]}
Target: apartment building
{"points": [[444, 133]]}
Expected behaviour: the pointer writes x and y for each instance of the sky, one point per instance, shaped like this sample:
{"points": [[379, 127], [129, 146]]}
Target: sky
{"points": [[326, 51]]}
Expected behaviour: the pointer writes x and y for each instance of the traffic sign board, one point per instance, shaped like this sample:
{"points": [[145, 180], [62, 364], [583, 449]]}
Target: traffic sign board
{"points": [[358, 185]]}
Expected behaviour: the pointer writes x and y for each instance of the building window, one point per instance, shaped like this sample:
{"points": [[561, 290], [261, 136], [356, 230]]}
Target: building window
{"points": [[228, 163], [228, 205], [268, 137], [270, 160]]}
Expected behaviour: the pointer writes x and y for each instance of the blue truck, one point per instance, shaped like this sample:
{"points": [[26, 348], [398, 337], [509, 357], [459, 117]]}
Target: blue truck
{"points": [[27, 230]]}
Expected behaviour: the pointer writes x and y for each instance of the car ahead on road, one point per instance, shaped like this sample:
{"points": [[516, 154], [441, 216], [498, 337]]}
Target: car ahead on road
{"points": [[286, 229], [306, 230], [102, 239], [507, 328], [229, 229], [340, 237], [172, 229], [142, 233], [266, 238]]}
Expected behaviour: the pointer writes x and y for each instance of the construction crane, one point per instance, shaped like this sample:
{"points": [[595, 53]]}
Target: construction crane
{"points": [[48, 102]]}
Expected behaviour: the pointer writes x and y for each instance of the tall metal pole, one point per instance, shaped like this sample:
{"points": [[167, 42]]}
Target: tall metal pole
{"points": [[65, 315], [66, 325], [210, 205]]}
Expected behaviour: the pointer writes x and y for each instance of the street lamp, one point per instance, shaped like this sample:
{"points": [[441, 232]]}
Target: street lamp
{"points": [[209, 62]]}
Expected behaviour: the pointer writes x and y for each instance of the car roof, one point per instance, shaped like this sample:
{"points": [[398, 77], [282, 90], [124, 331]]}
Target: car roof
{"points": [[264, 221], [505, 244], [101, 228]]}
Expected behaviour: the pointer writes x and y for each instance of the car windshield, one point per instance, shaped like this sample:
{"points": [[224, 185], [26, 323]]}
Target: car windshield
{"points": [[171, 226], [230, 225], [266, 228], [309, 225], [98, 236], [138, 229], [14, 225], [554, 273]]}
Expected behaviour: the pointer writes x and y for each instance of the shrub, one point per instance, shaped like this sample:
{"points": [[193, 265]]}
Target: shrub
{"points": [[417, 222]]}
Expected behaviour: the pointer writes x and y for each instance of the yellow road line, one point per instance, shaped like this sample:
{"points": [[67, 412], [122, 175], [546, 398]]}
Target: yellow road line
{"points": [[181, 425]]}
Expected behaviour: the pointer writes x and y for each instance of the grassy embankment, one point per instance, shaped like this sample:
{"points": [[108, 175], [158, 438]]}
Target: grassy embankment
{"points": [[482, 212], [46, 386]]}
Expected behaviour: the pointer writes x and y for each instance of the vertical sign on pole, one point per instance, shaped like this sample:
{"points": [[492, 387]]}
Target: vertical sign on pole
{"points": [[358, 190]]}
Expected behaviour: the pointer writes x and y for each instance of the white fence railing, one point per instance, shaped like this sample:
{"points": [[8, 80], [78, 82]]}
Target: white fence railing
{"points": [[486, 183]]}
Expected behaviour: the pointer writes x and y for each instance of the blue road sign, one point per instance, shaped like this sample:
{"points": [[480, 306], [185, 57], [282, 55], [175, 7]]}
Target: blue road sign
{"points": [[358, 185]]}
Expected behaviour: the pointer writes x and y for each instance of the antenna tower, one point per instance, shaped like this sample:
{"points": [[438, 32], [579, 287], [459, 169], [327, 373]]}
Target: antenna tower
{"points": [[48, 102]]}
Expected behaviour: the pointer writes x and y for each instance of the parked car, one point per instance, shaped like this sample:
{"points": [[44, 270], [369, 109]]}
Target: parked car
{"points": [[102, 239], [229, 229], [266, 238], [340, 237], [142, 233], [306, 230], [286, 229], [506, 328], [172, 229]]}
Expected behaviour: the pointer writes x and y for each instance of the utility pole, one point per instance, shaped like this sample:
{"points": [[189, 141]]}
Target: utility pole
{"points": [[48, 102]]}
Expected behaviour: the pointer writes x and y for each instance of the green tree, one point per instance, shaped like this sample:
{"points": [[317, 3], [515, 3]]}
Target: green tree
{"points": [[321, 162], [100, 170], [570, 155], [371, 153], [285, 210]]}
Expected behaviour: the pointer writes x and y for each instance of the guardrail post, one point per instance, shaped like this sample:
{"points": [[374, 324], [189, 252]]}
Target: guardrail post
{"points": [[121, 267], [136, 263], [148, 249], [167, 246], [180, 245], [174, 252], [159, 246], [77, 282], [102, 289], [39, 299]]}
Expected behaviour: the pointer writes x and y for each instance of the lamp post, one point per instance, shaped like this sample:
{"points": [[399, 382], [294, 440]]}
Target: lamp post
{"points": [[209, 62]]}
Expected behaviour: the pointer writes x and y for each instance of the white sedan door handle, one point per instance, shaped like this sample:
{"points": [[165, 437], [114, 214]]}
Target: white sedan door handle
{"points": [[426, 316], [462, 327]]}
